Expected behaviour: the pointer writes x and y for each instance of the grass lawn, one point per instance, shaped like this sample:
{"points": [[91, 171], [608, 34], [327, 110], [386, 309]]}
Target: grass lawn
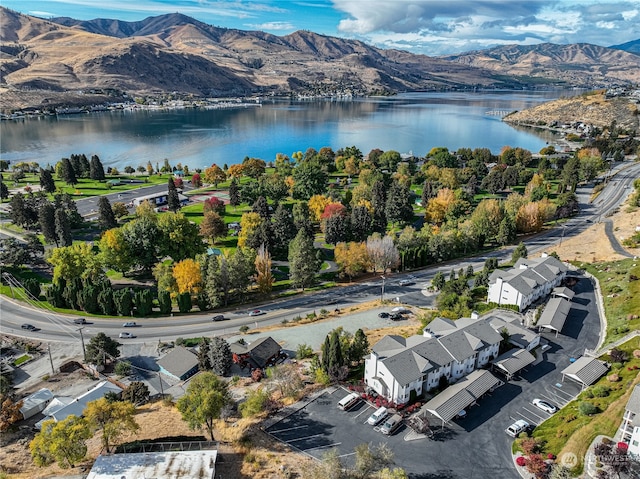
{"points": [[22, 359], [570, 431]]}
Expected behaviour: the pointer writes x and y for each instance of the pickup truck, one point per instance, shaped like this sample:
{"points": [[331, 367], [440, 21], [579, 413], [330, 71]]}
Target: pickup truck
{"points": [[517, 427]]}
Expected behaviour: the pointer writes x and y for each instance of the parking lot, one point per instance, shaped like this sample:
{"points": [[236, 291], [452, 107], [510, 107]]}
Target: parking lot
{"points": [[475, 447]]}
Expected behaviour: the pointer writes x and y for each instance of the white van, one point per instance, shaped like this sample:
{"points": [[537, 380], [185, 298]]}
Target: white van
{"points": [[377, 416], [391, 424], [349, 401]]}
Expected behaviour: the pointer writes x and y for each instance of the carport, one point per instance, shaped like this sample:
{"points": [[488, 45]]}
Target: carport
{"points": [[563, 292], [513, 361], [585, 371], [555, 314], [461, 395]]}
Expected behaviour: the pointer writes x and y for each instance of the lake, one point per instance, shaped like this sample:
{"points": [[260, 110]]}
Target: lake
{"points": [[408, 123]]}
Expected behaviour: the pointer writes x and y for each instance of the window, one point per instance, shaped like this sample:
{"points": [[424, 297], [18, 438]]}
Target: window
{"points": [[635, 443]]}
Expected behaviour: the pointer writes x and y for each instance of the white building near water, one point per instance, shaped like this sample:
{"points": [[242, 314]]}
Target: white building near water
{"points": [[525, 283]]}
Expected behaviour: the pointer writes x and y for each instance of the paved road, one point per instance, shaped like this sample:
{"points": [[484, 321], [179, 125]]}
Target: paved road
{"points": [[615, 244]]}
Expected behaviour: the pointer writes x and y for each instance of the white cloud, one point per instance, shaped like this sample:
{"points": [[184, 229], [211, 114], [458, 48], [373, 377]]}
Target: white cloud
{"points": [[270, 26]]}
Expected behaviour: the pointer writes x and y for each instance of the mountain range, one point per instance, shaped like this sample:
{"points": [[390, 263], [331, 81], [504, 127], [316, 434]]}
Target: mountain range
{"points": [[49, 62]]}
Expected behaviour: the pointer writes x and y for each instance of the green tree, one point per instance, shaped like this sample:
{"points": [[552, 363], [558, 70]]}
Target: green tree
{"points": [[164, 302], [106, 218], [96, 170], [220, 356], [184, 302], [519, 252], [102, 349], [142, 238], [62, 442], [506, 231], [361, 223], [204, 401], [179, 238], [173, 200], [136, 393], [337, 229], [309, 179], [113, 418], [284, 230], [46, 181], [359, 346], [438, 281], [63, 229], [398, 207], [255, 403], [571, 173], [75, 261], [67, 172], [303, 260], [47, 222], [234, 192], [67, 203], [143, 300]]}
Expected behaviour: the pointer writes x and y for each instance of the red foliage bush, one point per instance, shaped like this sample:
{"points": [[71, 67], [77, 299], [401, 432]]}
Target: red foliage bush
{"points": [[521, 461], [257, 375]]}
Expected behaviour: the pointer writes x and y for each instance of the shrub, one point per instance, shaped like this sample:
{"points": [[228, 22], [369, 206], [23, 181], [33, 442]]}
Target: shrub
{"points": [[304, 351], [179, 341], [123, 368], [255, 402], [636, 353], [617, 355], [616, 366], [257, 375], [521, 461], [587, 409], [243, 329], [530, 446], [601, 391]]}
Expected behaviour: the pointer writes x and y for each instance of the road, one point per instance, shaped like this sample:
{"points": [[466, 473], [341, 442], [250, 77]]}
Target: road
{"points": [[56, 327]]}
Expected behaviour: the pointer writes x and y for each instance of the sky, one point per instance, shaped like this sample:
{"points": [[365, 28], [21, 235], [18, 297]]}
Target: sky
{"points": [[431, 27]]}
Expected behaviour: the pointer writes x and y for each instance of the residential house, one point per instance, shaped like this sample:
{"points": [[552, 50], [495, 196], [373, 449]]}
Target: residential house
{"points": [[35, 403], [399, 368], [259, 354], [630, 427], [180, 363], [143, 465], [525, 283]]}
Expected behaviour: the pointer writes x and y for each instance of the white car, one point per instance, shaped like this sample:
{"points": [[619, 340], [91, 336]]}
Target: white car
{"points": [[544, 405], [126, 336], [405, 282], [517, 427], [256, 312], [129, 324]]}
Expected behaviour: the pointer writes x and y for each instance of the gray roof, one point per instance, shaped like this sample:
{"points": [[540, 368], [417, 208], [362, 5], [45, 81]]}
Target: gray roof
{"points": [[411, 364], [518, 335], [555, 314], [461, 395], [260, 351], [527, 273], [563, 292], [514, 360], [178, 362], [586, 370], [633, 404]]}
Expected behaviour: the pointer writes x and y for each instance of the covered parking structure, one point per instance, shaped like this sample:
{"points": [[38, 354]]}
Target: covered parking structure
{"points": [[462, 394], [585, 371], [555, 314], [513, 361], [563, 292]]}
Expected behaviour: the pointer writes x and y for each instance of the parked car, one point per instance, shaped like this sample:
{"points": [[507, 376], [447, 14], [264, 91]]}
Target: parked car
{"points": [[378, 416], [517, 427], [391, 425], [218, 317], [349, 401], [544, 405], [256, 312], [29, 327], [126, 335], [395, 316], [401, 310], [383, 315], [80, 321], [129, 324]]}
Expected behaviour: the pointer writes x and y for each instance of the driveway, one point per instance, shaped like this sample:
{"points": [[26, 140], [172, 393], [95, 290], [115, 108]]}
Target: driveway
{"points": [[472, 448]]}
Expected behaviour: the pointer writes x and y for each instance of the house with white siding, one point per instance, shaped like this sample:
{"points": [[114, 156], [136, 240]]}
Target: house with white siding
{"points": [[630, 427], [525, 283]]}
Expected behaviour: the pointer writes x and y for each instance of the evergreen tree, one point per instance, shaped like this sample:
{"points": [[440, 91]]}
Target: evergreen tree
{"points": [[68, 173], [359, 346], [506, 231], [438, 281], [337, 229], [378, 196], [283, 230], [101, 349], [47, 222], [96, 170], [164, 301], [361, 223], [398, 207], [204, 363], [173, 200], [303, 260], [46, 181], [220, 356], [428, 192], [261, 207], [336, 359], [4, 190], [66, 202], [309, 179], [234, 192], [302, 219], [519, 252], [143, 300], [63, 229], [123, 302], [571, 173], [326, 346], [106, 303], [18, 212], [184, 302], [106, 218]]}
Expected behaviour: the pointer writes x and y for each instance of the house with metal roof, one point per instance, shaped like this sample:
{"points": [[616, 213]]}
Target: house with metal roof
{"points": [[179, 363], [585, 370], [555, 314], [528, 281], [630, 427], [157, 465], [36, 403]]}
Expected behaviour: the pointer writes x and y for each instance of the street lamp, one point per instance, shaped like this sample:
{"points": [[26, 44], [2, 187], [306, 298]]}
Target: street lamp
{"points": [[562, 237], [382, 291]]}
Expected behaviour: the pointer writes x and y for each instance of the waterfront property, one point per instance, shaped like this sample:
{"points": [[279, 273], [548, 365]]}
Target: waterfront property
{"points": [[525, 283]]}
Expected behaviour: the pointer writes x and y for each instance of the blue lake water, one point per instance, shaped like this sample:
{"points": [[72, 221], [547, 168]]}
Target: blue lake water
{"points": [[408, 123]]}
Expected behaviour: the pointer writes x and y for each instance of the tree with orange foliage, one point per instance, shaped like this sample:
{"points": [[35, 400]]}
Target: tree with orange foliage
{"points": [[214, 174], [188, 276], [235, 171], [352, 258], [9, 412], [212, 226]]}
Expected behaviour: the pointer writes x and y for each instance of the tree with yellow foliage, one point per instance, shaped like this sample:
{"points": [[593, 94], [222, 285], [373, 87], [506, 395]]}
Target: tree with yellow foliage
{"points": [[317, 205], [214, 174], [75, 261], [352, 258], [188, 276], [437, 207], [146, 210], [248, 225], [114, 252], [235, 171], [264, 278]]}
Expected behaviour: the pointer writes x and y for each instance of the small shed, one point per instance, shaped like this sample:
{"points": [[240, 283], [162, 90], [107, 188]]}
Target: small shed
{"points": [[180, 363], [36, 403]]}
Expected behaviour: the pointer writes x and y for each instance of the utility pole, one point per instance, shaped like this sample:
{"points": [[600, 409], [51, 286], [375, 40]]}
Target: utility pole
{"points": [[53, 371], [382, 291], [84, 351], [161, 387]]}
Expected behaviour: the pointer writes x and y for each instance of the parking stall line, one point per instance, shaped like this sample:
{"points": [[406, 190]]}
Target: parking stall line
{"points": [[304, 438], [535, 413], [553, 400], [287, 429], [322, 447], [346, 455], [363, 411]]}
